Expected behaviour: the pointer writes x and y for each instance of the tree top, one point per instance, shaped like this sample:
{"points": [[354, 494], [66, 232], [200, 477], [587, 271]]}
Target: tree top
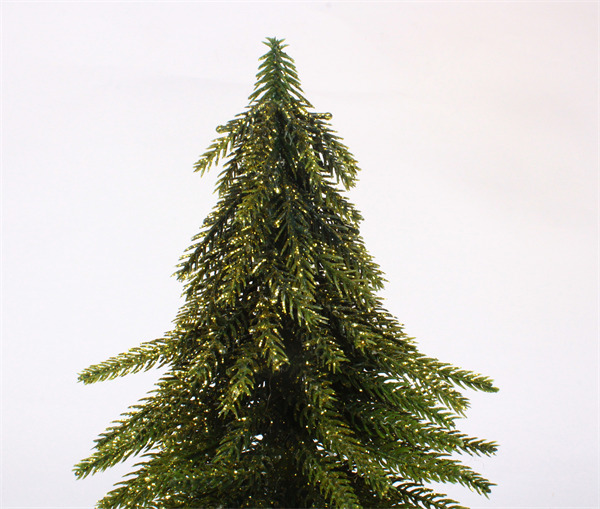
{"points": [[277, 78]]}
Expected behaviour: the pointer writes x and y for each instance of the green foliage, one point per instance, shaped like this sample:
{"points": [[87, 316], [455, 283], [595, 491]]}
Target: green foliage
{"points": [[288, 384]]}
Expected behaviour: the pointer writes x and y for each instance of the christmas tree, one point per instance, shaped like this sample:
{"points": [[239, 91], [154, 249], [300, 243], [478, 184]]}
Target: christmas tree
{"points": [[287, 384]]}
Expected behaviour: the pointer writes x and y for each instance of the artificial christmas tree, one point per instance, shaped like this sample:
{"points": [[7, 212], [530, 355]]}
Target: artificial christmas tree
{"points": [[287, 383]]}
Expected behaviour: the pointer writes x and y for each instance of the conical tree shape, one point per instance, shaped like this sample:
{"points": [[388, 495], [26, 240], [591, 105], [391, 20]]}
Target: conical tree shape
{"points": [[288, 384]]}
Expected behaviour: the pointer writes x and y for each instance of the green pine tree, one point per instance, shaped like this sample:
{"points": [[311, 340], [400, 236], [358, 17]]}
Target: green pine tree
{"points": [[287, 383]]}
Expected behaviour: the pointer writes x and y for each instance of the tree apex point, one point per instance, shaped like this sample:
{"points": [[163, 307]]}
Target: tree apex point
{"points": [[275, 43]]}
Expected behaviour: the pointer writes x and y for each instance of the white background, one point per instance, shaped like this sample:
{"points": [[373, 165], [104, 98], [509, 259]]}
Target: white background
{"points": [[475, 124]]}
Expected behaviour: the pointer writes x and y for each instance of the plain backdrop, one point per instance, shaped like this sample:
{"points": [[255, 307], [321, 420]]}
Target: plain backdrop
{"points": [[476, 128]]}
